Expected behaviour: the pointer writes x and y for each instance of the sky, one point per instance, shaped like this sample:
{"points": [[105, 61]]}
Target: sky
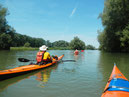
{"points": [[56, 19]]}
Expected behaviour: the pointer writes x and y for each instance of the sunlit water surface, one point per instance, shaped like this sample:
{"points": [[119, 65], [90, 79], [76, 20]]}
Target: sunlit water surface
{"points": [[86, 77]]}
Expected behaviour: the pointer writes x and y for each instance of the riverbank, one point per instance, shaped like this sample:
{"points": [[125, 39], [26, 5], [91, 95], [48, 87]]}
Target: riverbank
{"points": [[23, 48], [31, 48]]}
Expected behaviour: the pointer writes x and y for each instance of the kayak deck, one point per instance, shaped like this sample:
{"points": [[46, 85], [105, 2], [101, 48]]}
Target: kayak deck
{"points": [[117, 85], [5, 74]]}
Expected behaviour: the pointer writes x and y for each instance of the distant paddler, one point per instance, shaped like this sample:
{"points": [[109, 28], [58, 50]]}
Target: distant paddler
{"points": [[76, 52]]}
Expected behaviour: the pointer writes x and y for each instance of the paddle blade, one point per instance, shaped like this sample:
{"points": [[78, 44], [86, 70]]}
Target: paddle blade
{"points": [[23, 60], [68, 61]]}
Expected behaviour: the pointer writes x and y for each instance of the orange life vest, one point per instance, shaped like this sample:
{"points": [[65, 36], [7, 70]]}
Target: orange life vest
{"points": [[39, 56]]}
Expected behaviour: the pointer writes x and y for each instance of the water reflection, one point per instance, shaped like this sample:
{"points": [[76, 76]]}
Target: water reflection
{"points": [[106, 62], [44, 75], [76, 57], [7, 57], [40, 75]]}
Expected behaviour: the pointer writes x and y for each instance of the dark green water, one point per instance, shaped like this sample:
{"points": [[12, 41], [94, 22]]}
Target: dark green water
{"points": [[86, 77]]}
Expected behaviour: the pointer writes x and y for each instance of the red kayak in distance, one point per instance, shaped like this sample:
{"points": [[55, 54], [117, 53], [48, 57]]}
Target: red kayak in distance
{"points": [[82, 50]]}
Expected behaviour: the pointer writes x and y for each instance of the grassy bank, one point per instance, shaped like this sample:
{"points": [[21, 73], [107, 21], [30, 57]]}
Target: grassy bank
{"points": [[30, 48], [23, 48]]}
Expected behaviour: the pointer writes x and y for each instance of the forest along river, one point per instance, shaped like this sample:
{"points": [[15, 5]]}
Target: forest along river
{"points": [[86, 77]]}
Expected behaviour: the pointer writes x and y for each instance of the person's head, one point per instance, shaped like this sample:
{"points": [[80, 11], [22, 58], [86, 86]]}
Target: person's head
{"points": [[43, 48]]}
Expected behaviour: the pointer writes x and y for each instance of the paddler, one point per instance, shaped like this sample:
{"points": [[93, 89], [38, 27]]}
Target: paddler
{"points": [[76, 52], [43, 56]]}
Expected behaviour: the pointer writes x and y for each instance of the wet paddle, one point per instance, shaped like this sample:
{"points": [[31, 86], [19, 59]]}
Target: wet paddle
{"points": [[24, 60], [68, 60]]}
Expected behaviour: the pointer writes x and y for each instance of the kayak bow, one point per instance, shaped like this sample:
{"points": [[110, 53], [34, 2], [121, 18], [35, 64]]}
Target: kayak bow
{"points": [[117, 85], [5, 74]]}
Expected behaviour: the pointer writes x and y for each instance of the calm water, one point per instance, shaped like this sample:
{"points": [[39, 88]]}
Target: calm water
{"points": [[86, 77]]}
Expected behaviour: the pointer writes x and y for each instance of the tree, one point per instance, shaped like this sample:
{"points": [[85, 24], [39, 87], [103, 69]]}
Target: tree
{"points": [[60, 43], [90, 47], [48, 43], [27, 44], [5, 40], [115, 19], [76, 43], [101, 40], [3, 22]]}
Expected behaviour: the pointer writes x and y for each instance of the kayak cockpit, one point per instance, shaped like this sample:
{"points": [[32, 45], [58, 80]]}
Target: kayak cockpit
{"points": [[118, 84]]}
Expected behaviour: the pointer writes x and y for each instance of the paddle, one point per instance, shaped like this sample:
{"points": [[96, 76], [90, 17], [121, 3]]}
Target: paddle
{"points": [[24, 60], [68, 60], [27, 60]]}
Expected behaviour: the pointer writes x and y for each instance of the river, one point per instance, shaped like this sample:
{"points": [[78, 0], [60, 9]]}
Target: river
{"points": [[86, 77]]}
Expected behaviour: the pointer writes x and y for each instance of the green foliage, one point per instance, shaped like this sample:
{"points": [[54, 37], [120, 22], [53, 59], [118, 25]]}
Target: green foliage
{"points": [[60, 43], [27, 44], [5, 39], [90, 47], [3, 22], [48, 43], [76, 43], [59, 48], [101, 40], [115, 19], [124, 39], [23, 48]]}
